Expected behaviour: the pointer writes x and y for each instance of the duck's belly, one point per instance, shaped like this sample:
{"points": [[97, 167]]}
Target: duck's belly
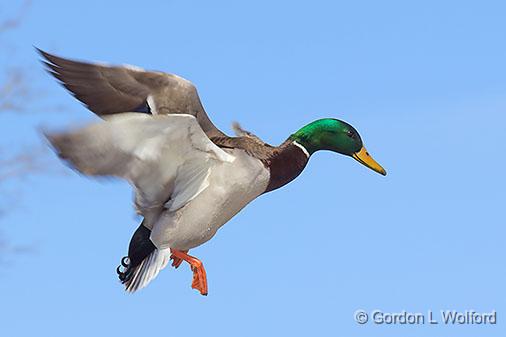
{"points": [[232, 186]]}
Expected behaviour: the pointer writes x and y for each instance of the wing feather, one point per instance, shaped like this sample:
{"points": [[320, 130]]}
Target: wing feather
{"points": [[116, 89], [165, 157]]}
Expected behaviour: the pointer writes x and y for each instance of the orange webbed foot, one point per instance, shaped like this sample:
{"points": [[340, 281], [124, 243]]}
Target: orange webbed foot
{"points": [[199, 281]]}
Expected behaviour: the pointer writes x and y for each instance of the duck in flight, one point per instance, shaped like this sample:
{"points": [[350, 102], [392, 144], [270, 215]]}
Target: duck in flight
{"points": [[189, 177]]}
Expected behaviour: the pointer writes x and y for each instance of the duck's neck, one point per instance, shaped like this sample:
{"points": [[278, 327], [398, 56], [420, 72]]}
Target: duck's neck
{"points": [[286, 163]]}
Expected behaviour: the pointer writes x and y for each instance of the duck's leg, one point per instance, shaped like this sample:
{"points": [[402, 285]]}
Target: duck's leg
{"points": [[176, 261], [199, 273]]}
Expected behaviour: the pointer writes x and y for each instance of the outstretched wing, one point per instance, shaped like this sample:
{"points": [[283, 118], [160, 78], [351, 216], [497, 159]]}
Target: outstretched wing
{"points": [[167, 158], [116, 89]]}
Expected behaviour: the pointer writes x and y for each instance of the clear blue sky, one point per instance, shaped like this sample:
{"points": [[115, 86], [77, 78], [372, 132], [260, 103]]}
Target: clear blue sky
{"points": [[424, 82]]}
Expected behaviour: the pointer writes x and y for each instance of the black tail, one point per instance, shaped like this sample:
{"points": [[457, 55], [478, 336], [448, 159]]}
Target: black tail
{"points": [[140, 247]]}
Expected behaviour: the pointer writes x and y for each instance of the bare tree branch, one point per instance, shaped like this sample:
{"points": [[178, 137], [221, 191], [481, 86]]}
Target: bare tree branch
{"points": [[15, 95], [14, 22], [14, 91], [22, 163], [14, 88], [16, 163]]}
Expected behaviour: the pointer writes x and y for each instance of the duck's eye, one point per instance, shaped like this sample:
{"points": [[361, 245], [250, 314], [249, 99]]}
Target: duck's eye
{"points": [[350, 133]]}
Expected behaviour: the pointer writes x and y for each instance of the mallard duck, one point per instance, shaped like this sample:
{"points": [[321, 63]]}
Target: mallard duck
{"points": [[189, 177]]}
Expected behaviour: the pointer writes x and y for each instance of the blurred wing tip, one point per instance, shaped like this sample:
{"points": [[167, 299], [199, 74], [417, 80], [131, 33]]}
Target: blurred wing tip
{"points": [[47, 135], [46, 57], [133, 68], [236, 127], [39, 51]]}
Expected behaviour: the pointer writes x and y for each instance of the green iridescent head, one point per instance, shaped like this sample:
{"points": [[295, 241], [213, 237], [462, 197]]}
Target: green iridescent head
{"points": [[337, 136]]}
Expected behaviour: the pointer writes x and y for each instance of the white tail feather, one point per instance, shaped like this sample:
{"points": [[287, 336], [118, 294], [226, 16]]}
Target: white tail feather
{"points": [[148, 269]]}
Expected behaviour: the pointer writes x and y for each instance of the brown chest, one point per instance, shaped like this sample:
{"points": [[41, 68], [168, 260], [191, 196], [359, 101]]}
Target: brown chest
{"points": [[285, 166]]}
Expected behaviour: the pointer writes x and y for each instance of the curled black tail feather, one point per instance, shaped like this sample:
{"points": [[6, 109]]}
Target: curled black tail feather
{"points": [[140, 247], [125, 274]]}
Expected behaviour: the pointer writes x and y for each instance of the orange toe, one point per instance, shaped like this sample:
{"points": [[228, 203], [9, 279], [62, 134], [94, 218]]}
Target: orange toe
{"points": [[199, 280], [176, 261]]}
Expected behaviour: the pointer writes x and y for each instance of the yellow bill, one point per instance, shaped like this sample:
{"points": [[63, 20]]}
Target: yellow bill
{"points": [[364, 158]]}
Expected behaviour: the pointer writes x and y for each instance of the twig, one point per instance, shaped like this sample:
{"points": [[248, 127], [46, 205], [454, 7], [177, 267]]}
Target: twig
{"points": [[16, 21]]}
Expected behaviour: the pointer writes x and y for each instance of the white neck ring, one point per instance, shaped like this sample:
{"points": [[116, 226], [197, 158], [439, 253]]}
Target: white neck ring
{"points": [[301, 147]]}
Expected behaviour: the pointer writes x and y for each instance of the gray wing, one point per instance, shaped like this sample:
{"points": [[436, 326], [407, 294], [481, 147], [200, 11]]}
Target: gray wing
{"points": [[114, 89], [161, 156]]}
